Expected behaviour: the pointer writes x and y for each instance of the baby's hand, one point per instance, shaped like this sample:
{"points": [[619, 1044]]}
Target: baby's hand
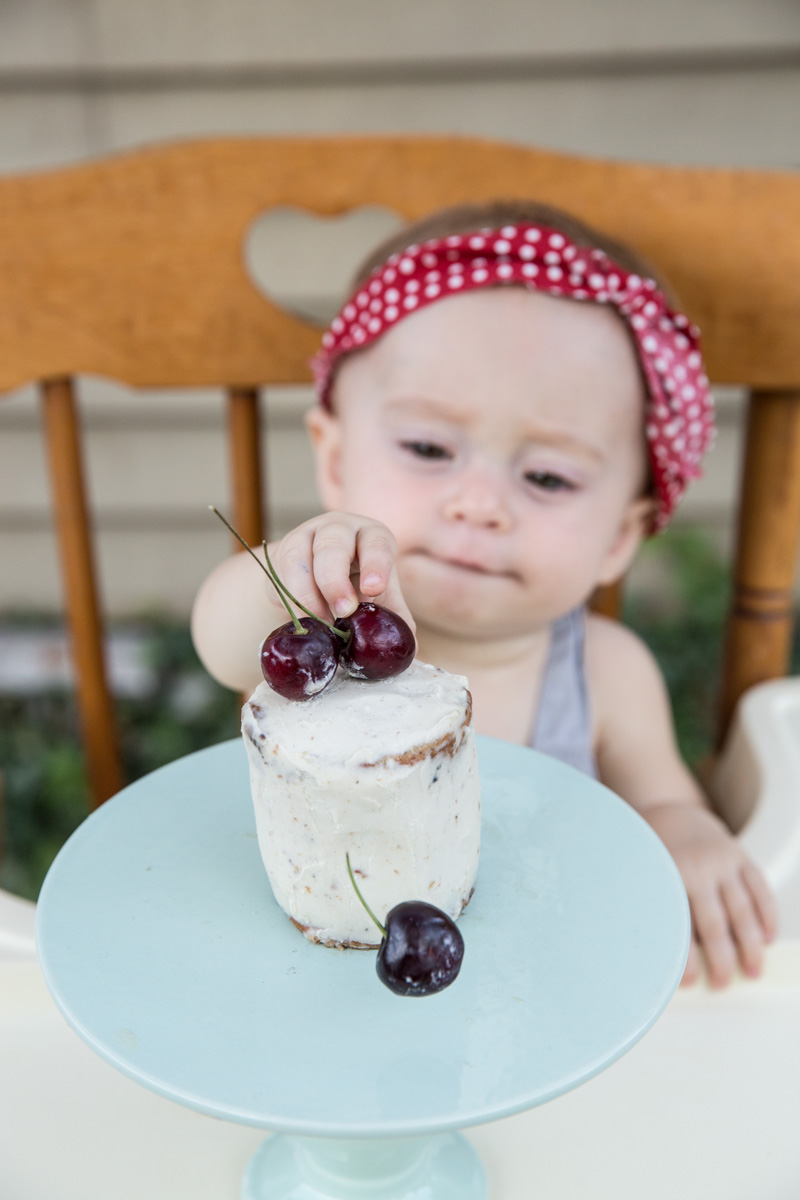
{"points": [[733, 911], [333, 562]]}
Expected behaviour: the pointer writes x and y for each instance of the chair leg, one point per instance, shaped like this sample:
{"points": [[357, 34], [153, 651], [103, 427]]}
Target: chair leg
{"points": [[761, 620], [244, 437], [244, 440], [71, 519], [607, 600]]}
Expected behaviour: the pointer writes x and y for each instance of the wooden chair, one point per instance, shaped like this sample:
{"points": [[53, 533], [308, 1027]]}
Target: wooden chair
{"points": [[131, 267]]}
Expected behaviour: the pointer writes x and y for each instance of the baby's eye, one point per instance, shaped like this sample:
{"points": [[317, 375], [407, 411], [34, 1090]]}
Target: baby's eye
{"points": [[426, 449], [547, 481]]}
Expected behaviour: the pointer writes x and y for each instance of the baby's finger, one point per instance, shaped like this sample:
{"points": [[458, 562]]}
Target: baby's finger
{"points": [[763, 899], [333, 551], [691, 971], [292, 562], [392, 597], [714, 935], [745, 925], [377, 551]]}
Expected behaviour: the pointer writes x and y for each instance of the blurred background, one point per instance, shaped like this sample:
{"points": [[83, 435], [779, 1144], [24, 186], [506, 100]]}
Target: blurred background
{"points": [[686, 82]]}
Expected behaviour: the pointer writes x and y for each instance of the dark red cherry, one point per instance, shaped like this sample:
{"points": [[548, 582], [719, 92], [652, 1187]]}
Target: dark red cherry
{"points": [[422, 950], [381, 643], [298, 665]]}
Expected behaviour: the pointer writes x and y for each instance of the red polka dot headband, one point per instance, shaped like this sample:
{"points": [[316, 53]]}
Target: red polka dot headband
{"points": [[680, 415]]}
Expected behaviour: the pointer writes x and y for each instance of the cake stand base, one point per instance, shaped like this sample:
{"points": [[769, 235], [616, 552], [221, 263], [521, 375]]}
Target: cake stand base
{"points": [[443, 1166]]}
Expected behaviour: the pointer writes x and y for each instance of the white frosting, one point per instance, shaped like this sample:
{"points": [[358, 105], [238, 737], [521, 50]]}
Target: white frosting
{"points": [[385, 770]]}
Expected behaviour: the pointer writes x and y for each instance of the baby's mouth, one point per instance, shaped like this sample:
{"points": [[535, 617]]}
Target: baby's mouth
{"points": [[462, 565], [468, 565]]}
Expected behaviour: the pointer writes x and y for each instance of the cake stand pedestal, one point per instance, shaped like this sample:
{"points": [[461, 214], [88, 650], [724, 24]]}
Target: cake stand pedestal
{"points": [[164, 949], [442, 1166]]}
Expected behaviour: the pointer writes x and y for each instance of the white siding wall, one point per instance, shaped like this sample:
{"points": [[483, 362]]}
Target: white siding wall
{"points": [[691, 81]]}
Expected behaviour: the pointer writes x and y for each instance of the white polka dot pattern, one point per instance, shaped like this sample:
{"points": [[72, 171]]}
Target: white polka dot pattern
{"points": [[680, 416]]}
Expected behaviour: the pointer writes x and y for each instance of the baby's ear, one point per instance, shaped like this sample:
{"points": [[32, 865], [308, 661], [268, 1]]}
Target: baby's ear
{"points": [[325, 431], [634, 528]]}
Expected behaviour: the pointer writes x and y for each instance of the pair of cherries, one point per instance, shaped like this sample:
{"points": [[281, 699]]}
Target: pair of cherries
{"points": [[300, 658]]}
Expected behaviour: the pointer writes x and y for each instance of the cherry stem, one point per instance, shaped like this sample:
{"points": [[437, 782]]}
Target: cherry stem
{"points": [[283, 588], [361, 898], [280, 586], [298, 628]]}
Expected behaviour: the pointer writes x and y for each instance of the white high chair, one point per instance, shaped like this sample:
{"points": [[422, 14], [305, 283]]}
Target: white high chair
{"points": [[756, 787]]}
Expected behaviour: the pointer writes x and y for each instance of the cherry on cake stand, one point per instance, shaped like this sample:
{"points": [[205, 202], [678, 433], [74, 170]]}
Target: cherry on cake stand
{"points": [[164, 949]]}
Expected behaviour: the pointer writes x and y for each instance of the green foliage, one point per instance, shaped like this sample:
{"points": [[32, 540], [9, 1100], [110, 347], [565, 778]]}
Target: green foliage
{"points": [[685, 631], [44, 785], [685, 628], [186, 710], [45, 789]]}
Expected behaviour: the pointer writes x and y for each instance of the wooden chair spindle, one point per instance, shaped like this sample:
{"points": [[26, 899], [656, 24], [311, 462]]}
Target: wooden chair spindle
{"points": [[760, 625], [73, 528], [244, 434]]}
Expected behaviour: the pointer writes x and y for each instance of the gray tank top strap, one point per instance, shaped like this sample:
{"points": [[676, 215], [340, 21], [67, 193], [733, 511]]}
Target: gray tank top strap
{"points": [[563, 726]]}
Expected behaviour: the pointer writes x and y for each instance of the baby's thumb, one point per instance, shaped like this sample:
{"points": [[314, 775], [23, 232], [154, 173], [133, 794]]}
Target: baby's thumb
{"points": [[392, 597]]}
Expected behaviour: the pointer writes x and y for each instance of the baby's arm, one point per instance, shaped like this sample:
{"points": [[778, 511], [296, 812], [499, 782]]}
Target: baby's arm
{"points": [[329, 563], [733, 912]]}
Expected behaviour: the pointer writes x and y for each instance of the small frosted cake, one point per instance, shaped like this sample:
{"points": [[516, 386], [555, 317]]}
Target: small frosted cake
{"points": [[383, 770]]}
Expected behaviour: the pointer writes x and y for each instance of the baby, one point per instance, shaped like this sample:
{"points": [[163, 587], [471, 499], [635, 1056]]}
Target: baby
{"points": [[509, 404]]}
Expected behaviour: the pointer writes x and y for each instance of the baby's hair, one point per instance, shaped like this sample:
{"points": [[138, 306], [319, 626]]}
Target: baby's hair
{"points": [[493, 214]]}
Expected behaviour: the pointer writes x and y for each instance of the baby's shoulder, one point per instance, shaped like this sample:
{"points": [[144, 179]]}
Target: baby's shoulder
{"points": [[618, 661], [628, 696]]}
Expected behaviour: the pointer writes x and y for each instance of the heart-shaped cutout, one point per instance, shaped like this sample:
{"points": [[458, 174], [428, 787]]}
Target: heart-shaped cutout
{"points": [[305, 263]]}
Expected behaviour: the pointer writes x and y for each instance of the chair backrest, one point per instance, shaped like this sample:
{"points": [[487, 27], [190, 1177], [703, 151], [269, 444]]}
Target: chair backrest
{"points": [[131, 267]]}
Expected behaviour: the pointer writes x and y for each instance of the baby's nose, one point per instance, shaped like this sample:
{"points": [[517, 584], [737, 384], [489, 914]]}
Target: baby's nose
{"points": [[480, 503]]}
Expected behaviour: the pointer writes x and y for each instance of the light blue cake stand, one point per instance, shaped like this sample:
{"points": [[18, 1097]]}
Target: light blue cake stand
{"points": [[163, 947]]}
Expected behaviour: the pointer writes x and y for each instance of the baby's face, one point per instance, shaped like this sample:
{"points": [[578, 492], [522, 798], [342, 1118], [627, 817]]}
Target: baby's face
{"points": [[499, 435]]}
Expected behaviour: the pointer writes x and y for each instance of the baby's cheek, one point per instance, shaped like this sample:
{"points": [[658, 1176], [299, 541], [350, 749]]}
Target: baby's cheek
{"points": [[407, 515], [366, 488], [562, 570]]}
